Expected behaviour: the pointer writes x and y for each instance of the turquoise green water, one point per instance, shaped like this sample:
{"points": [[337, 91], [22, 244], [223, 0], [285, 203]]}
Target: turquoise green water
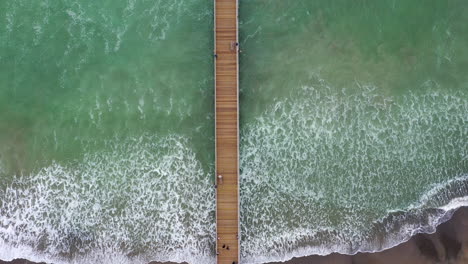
{"points": [[354, 127], [351, 111], [106, 131]]}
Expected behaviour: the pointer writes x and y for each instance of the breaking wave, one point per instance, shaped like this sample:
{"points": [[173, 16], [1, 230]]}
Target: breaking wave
{"points": [[350, 170], [142, 200]]}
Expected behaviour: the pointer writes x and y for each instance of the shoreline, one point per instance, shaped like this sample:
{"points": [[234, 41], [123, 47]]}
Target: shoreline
{"points": [[25, 261], [448, 244]]}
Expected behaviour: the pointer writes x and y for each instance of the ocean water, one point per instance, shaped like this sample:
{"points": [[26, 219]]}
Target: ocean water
{"points": [[354, 127], [354, 123], [106, 131]]}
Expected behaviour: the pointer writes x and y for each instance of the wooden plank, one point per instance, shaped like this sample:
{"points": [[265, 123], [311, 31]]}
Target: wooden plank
{"points": [[227, 131]]}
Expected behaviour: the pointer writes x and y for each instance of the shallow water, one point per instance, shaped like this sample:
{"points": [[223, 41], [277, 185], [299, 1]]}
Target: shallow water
{"points": [[354, 123]]}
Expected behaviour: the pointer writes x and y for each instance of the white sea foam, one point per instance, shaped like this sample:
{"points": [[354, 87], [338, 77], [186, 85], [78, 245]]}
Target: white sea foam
{"points": [[9, 252], [38, 32], [10, 22], [2, 167], [407, 230], [162, 12], [144, 199], [330, 170]]}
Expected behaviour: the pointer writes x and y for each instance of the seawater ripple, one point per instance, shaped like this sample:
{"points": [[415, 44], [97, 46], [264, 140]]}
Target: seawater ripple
{"points": [[322, 170], [141, 200]]}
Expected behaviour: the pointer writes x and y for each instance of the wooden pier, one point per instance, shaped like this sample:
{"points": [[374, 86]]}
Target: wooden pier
{"points": [[227, 131]]}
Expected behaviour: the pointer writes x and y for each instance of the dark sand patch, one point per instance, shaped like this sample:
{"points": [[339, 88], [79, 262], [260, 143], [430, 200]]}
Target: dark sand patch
{"points": [[20, 261]]}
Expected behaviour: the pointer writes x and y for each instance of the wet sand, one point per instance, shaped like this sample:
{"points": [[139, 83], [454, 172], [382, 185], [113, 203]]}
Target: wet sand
{"points": [[20, 261], [448, 245]]}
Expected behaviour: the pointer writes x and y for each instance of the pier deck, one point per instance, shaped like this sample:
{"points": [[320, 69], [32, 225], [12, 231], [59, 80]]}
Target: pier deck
{"points": [[227, 131]]}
